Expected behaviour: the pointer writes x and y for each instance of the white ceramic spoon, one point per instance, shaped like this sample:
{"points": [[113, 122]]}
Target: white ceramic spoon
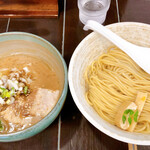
{"points": [[141, 55]]}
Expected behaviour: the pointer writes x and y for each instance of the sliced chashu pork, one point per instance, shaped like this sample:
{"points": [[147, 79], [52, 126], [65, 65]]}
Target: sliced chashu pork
{"points": [[42, 102]]}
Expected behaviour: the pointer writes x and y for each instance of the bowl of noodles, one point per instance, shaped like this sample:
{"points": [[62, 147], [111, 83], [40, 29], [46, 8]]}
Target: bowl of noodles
{"points": [[102, 78]]}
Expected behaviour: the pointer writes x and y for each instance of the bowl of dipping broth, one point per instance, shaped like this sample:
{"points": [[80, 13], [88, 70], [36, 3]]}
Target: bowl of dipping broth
{"points": [[33, 85]]}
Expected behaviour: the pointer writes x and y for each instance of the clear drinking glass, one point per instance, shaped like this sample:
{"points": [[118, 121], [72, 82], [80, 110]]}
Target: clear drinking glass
{"points": [[93, 10]]}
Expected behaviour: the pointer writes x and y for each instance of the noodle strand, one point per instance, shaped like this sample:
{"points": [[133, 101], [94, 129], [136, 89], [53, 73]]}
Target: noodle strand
{"points": [[112, 79]]}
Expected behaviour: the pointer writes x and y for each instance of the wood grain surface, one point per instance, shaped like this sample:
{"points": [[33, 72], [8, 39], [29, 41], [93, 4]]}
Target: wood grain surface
{"points": [[65, 33], [28, 8]]}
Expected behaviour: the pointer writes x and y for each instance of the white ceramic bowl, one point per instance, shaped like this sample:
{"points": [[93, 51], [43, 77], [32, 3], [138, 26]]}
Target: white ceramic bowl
{"points": [[88, 50]]}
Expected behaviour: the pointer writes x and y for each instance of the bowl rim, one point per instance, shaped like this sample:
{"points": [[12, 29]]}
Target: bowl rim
{"points": [[81, 108], [47, 120]]}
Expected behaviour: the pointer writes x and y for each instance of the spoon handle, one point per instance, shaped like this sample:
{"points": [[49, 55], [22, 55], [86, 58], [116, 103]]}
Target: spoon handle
{"points": [[141, 55], [118, 41]]}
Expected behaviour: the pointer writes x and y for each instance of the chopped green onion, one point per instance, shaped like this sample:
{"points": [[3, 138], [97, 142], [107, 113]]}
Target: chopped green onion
{"points": [[130, 112], [1, 126], [4, 93], [127, 111], [8, 94], [130, 120], [3, 89], [12, 91], [25, 90], [123, 119], [136, 115]]}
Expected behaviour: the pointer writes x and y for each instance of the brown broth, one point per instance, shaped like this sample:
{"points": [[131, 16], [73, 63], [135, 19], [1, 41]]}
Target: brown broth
{"points": [[43, 76]]}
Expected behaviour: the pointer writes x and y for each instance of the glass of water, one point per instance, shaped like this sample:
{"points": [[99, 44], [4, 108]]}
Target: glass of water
{"points": [[93, 10]]}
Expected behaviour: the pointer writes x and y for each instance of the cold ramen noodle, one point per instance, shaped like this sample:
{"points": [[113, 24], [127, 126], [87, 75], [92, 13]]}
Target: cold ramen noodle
{"points": [[118, 89], [29, 89]]}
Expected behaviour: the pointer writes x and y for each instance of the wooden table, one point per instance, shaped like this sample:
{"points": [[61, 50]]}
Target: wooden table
{"points": [[71, 131]]}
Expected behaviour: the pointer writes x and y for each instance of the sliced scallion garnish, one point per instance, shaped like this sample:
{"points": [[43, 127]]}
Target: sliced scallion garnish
{"points": [[136, 115], [131, 114], [123, 119], [25, 90]]}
